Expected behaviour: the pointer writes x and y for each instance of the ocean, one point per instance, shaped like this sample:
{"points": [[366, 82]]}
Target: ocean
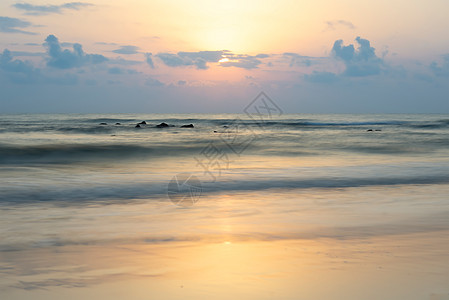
{"points": [[292, 206]]}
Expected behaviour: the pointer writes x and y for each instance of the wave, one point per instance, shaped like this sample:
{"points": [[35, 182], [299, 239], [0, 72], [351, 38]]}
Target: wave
{"points": [[93, 125], [66, 153], [304, 123], [318, 124], [110, 120], [108, 193]]}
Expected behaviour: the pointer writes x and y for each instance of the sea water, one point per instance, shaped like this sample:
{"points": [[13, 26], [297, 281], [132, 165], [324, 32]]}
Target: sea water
{"points": [[290, 207]]}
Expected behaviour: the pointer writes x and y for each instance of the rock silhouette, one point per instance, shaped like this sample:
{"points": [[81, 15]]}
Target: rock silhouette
{"points": [[162, 125]]}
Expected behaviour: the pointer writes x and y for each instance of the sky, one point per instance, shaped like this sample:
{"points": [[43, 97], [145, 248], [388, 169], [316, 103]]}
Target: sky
{"points": [[198, 56]]}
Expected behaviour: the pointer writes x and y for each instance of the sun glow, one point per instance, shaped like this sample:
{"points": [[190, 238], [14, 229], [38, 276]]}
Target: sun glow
{"points": [[224, 59]]}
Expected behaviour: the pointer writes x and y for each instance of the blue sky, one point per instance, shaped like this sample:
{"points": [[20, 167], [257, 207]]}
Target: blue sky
{"points": [[210, 56]]}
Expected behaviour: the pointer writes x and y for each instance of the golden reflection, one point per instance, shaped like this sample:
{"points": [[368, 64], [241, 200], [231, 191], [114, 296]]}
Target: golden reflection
{"points": [[279, 244], [284, 269]]}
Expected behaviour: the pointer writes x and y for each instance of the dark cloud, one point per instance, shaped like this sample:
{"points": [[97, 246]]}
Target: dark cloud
{"points": [[149, 60], [31, 9], [127, 50], [321, 77], [331, 25], [13, 25], [360, 62], [441, 70], [66, 59], [198, 59]]}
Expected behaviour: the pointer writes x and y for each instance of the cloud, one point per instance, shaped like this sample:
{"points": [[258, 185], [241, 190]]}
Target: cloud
{"points": [[321, 77], [198, 59], [116, 71], [13, 25], [298, 60], [153, 82], [66, 59], [37, 10], [360, 62], [26, 53], [124, 62], [149, 60], [262, 55], [208, 56], [106, 44], [120, 71], [331, 25], [18, 71], [172, 60], [441, 70], [127, 50], [201, 59], [243, 61], [23, 72]]}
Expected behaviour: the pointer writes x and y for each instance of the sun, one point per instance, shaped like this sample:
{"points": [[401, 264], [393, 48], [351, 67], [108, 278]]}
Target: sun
{"points": [[224, 59]]}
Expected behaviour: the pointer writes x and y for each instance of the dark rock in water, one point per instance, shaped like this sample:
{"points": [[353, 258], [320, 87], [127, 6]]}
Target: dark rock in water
{"points": [[103, 123], [138, 126], [215, 131], [162, 125], [369, 130], [143, 122], [225, 126], [118, 123], [187, 126]]}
